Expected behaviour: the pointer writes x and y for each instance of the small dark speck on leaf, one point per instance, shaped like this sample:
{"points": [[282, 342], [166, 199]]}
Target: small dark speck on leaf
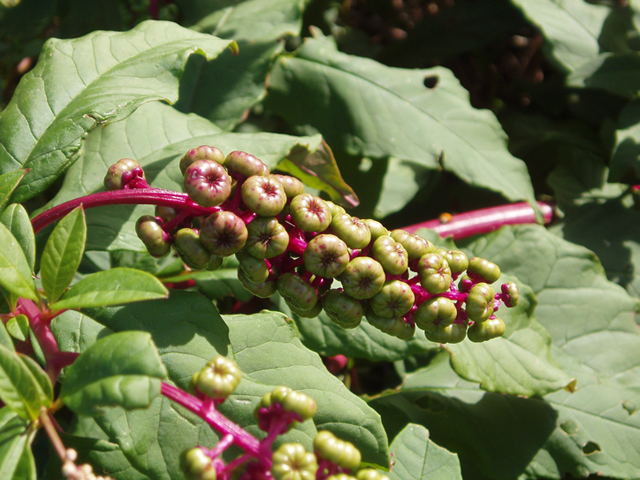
{"points": [[590, 448], [431, 82]]}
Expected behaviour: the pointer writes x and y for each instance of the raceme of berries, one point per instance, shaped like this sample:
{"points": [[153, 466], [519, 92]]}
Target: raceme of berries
{"points": [[317, 256], [277, 412]]}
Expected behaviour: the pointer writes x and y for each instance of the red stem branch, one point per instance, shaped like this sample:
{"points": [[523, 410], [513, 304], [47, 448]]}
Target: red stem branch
{"points": [[486, 220]]}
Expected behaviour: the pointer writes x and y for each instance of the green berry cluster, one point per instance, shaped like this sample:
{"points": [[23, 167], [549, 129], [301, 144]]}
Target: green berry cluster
{"points": [[297, 244]]}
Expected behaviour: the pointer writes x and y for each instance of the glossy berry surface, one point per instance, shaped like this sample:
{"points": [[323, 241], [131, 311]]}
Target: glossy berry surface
{"points": [[207, 183], [223, 233], [326, 255], [218, 379], [362, 278], [264, 195], [292, 462], [203, 152]]}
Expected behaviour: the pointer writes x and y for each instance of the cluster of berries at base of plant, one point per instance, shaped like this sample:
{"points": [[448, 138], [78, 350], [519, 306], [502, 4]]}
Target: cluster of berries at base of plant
{"points": [[277, 412], [297, 244]]}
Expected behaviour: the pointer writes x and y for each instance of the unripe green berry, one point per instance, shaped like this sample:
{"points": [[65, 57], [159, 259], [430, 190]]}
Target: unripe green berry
{"points": [[263, 195], [362, 278], [295, 402], [435, 274], [353, 231], [207, 183], [215, 262], [370, 474], [292, 462], [166, 214], [297, 292], [197, 465], [342, 309], [292, 186], [254, 268], [326, 256], [203, 152], [484, 270], [435, 313], [342, 453], [113, 178], [487, 330], [263, 289], [223, 233], [415, 245], [395, 326], [311, 313], [510, 290], [245, 164], [335, 209], [218, 379], [310, 213], [480, 302], [394, 299], [191, 251], [391, 254], [267, 238], [454, 333], [150, 232], [341, 476], [376, 228], [457, 260]]}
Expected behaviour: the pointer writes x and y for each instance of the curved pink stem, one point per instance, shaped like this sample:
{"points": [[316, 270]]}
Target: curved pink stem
{"points": [[485, 220]]}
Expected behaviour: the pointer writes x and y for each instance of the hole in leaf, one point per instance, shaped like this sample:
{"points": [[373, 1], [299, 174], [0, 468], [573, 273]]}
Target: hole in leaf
{"points": [[431, 82], [431, 404], [629, 406], [590, 448], [569, 427]]}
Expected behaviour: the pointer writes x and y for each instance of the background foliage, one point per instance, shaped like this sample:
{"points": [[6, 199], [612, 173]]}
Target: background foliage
{"points": [[407, 109]]}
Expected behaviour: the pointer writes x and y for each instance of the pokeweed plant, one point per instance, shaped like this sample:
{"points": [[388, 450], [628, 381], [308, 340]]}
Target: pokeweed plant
{"points": [[150, 389]]}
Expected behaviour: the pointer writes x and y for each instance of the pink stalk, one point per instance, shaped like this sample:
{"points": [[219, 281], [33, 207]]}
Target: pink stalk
{"points": [[242, 438], [56, 359], [145, 196], [485, 220]]}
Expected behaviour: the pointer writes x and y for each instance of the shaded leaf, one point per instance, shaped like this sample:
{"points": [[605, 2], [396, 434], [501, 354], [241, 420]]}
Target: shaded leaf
{"points": [[16, 459], [5, 338], [365, 108], [62, 254], [120, 369], [417, 457], [80, 83], [616, 73], [111, 287], [625, 163], [15, 274], [16, 219], [18, 327]]}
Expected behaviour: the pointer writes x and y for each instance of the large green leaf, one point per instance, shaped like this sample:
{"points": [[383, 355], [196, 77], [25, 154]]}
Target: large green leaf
{"points": [[519, 362], [62, 254], [421, 117], [121, 369], [112, 287], [157, 136], [625, 165], [15, 273], [417, 457], [16, 459], [16, 219], [616, 73], [19, 388], [8, 183], [78, 84], [571, 27], [268, 349]]}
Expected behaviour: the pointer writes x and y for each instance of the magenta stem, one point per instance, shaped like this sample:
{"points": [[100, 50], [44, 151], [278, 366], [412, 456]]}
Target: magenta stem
{"points": [[224, 443], [485, 220], [241, 437], [146, 196]]}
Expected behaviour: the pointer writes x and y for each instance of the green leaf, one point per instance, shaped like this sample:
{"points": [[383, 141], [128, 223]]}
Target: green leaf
{"points": [[520, 362], [18, 327], [44, 382], [112, 287], [379, 112], [5, 338], [122, 369], [16, 459], [19, 388], [62, 254], [268, 349], [81, 83], [625, 165], [16, 219], [616, 73], [571, 27], [417, 457], [8, 183], [157, 136], [15, 274]]}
